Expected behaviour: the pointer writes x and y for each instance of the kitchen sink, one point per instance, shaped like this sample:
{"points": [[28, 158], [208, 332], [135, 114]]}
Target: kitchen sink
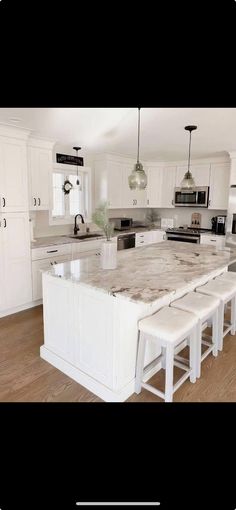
{"points": [[85, 236]]}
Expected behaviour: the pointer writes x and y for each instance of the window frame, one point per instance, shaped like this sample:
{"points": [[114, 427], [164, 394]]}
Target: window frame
{"points": [[66, 170]]}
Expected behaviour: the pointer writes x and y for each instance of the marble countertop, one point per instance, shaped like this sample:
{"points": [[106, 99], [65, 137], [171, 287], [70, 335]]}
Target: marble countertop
{"points": [[149, 273]]}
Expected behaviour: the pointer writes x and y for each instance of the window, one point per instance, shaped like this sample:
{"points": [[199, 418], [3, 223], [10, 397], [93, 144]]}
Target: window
{"points": [[66, 206]]}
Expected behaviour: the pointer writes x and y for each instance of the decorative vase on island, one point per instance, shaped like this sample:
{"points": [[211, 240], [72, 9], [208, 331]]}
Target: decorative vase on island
{"points": [[109, 255]]}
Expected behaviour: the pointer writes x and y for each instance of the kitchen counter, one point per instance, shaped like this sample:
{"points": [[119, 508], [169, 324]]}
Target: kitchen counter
{"points": [[146, 274], [91, 315]]}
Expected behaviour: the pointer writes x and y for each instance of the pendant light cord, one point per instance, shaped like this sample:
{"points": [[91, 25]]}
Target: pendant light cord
{"points": [[138, 133], [189, 150]]}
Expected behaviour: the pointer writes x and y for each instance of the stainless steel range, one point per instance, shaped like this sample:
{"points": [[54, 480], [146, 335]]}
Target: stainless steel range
{"points": [[188, 235]]}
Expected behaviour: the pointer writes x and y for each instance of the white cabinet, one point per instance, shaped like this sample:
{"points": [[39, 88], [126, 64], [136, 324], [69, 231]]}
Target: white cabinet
{"points": [[213, 240], [200, 173], [16, 285], [154, 186], [115, 184], [40, 175], [219, 186], [45, 264], [158, 236], [87, 247], [168, 186], [149, 237], [13, 175]]}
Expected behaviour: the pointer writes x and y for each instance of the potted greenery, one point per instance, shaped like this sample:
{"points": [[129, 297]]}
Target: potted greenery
{"points": [[109, 247]]}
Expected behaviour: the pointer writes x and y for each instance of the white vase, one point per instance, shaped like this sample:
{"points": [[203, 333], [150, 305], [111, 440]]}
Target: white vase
{"points": [[109, 255]]}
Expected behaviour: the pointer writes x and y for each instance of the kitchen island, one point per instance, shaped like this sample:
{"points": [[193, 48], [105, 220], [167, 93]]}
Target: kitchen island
{"points": [[91, 315]]}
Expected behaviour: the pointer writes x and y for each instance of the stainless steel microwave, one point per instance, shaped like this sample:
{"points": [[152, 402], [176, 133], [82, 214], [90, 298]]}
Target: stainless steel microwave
{"points": [[122, 223], [198, 197]]}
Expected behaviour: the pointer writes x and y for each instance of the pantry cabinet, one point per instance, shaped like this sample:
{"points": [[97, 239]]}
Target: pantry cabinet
{"points": [[40, 174], [15, 261], [219, 186], [13, 175]]}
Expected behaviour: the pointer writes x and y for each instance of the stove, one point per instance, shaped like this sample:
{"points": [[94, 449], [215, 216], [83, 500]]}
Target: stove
{"points": [[188, 235]]}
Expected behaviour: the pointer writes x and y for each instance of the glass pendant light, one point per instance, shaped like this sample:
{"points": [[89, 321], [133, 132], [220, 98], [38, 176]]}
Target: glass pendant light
{"points": [[138, 178], [188, 180]]}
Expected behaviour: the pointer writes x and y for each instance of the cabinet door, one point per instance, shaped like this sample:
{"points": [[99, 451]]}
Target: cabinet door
{"points": [[17, 263], [168, 186], [154, 187], [158, 236], [40, 168], [219, 186], [200, 173], [37, 267], [115, 184], [14, 180], [2, 282], [132, 198]]}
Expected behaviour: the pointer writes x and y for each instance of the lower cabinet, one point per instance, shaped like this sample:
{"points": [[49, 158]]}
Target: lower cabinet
{"points": [[15, 263], [214, 240], [149, 237], [43, 265]]}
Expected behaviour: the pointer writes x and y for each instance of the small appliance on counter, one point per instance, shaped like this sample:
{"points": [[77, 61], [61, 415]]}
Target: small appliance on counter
{"points": [[218, 224], [121, 223], [196, 220]]}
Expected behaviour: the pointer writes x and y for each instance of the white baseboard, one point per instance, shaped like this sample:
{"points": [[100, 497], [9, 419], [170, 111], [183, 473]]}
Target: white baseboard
{"points": [[21, 308]]}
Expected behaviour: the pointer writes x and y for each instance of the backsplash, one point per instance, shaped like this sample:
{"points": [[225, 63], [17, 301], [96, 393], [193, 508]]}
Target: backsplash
{"points": [[41, 227]]}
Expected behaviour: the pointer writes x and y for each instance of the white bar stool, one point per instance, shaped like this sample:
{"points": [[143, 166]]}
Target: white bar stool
{"points": [[206, 309], [226, 291], [168, 328]]}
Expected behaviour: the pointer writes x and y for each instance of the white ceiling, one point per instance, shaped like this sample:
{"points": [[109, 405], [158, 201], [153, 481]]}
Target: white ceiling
{"points": [[115, 129]]}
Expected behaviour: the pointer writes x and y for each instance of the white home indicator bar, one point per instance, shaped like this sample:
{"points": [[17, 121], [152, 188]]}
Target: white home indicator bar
{"points": [[116, 503]]}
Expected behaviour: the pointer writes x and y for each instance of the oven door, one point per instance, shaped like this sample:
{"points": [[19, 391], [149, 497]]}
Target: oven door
{"points": [[183, 238]]}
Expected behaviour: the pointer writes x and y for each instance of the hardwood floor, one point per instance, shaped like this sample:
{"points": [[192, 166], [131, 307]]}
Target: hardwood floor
{"points": [[25, 377]]}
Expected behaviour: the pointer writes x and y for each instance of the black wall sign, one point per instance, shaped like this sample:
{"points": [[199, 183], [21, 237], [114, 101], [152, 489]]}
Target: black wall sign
{"points": [[66, 159]]}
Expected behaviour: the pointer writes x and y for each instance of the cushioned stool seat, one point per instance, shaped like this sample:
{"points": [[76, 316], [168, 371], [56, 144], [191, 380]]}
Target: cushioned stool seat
{"points": [[206, 309], [225, 290], [168, 328]]}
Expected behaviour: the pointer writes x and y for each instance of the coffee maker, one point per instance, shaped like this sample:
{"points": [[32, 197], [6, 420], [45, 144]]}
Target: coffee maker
{"points": [[218, 224]]}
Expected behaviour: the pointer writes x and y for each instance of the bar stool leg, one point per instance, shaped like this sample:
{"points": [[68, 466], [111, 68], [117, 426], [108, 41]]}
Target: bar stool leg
{"points": [[163, 361], [169, 373], [233, 315], [140, 362], [198, 349], [193, 347], [215, 334], [221, 326]]}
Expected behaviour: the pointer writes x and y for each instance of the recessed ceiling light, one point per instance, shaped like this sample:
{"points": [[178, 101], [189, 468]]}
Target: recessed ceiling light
{"points": [[15, 119]]}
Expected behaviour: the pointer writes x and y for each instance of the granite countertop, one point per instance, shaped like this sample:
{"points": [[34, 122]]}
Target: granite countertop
{"points": [[149, 273], [42, 242]]}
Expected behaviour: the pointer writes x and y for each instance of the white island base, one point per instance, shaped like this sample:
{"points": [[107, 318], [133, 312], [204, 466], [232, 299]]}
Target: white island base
{"points": [[91, 336]]}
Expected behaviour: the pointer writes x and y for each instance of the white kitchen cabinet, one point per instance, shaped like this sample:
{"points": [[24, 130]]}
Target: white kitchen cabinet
{"points": [[213, 240], [158, 236], [168, 186], [16, 288], [200, 173], [13, 175], [219, 186], [149, 237], [154, 186], [115, 183], [44, 264], [85, 247], [40, 176]]}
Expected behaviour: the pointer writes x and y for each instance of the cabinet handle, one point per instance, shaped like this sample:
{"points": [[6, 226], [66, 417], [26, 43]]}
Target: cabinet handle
{"points": [[52, 251], [35, 202], [5, 222], [55, 262], [4, 202], [39, 201], [148, 202], [209, 203], [141, 242], [172, 201], [213, 240]]}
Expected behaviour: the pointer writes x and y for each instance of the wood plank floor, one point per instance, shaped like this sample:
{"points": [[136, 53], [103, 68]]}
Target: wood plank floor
{"points": [[25, 377]]}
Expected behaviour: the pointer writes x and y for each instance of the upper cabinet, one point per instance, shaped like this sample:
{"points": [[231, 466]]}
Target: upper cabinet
{"points": [[111, 184], [219, 186], [13, 175], [200, 173], [40, 173], [168, 185], [154, 186]]}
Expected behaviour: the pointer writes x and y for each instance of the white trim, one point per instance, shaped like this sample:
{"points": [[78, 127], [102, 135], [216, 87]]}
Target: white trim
{"points": [[41, 143], [14, 132], [21, 308]]}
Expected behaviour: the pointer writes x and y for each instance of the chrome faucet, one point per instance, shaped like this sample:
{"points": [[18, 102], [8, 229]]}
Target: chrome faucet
{"points": [[76, 228]]}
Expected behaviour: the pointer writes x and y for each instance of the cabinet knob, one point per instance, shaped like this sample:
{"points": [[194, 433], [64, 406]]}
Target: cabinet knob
{"points": [[35, 203], [39, 201], [5, 222], [4, 202], [147, 201]]}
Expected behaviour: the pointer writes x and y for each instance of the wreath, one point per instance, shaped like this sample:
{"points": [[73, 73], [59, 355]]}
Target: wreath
{"points": [[67, 187]]}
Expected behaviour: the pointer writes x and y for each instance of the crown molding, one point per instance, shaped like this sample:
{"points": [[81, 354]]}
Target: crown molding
{"points": [[14, 132], [41, 142]]}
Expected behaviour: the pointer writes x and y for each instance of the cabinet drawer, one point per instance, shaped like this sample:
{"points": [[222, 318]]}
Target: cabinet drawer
{"points": [[51, 251], [44, 264], [213, 240]]}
